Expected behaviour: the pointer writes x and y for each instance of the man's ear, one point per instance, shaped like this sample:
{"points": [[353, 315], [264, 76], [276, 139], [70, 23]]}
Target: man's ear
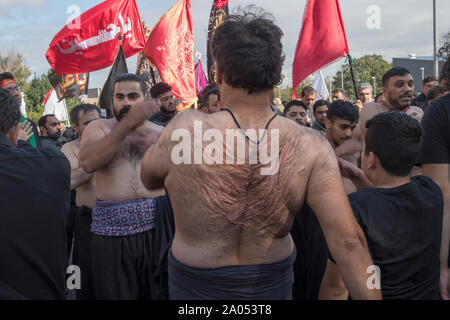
{"points": [[372, 160], [43, 130], [12, 134], [328, 124]]}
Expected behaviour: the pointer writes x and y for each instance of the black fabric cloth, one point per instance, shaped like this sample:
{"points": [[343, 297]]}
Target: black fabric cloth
{"points": [[241, 282], [311, 261], [160, 119], [420, 101], [34, 201], [52, 143], [70, 227], [134, 267], [403, 227], [436, 138], [82, 253]]}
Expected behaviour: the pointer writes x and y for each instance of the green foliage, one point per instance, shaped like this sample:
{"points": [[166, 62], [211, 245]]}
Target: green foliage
{"points": [[364, 68], [14, 62], [35, 93], [286, 93]]}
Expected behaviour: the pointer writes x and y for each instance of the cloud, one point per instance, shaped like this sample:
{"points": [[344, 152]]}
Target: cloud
{"points": [[6, 4]]}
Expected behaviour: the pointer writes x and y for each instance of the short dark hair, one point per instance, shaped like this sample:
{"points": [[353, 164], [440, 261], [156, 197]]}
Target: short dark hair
{"points": [[248, 51], [206, 94], [9, 112], [294, 103], [308, 90], [396, 71], [6, 75], [131, 77], [428, 79], [42, 122], [395, 138], [341, 90], [319, 103], [86, 107], [436, 91], [158, 89], [341, 109]]}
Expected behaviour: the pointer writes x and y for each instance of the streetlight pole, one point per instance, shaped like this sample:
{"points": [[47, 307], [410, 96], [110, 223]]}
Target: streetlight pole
{"points": [[423, 73], [436, 63], [374, 85], [342, 76]]}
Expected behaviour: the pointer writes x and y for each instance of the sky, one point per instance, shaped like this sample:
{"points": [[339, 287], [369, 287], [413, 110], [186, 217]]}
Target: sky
{"points": [[385, 27]]}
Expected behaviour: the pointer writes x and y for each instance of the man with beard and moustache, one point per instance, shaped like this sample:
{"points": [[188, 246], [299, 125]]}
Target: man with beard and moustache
{"points": [[163, 92], [320, 109], [398, 89], [51, 135], [131, 226], [7, 82]]}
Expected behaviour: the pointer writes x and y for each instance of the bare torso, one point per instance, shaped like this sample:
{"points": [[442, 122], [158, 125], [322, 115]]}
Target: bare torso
{"points": [[231, 214], [120, 179]]}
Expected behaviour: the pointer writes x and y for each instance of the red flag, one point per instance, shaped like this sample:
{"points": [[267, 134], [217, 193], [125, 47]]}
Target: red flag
{"points": [[322, 40], [170, 47], [94, 44]]}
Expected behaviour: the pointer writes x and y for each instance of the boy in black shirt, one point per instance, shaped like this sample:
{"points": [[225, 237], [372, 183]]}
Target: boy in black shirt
{"points": [[400, 216]]}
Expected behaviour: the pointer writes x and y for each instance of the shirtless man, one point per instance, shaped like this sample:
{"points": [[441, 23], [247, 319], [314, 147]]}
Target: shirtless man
{"points": [[232, 222], [84, 185], [126, 218], [398, 89]]}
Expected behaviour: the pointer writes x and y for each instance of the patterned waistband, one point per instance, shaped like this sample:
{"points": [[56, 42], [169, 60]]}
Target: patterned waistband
{"points": [[123, 218]]}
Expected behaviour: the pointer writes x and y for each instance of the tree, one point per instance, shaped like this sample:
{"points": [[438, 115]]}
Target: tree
{"points": [[286, 92], [365, 68], [14, 62], [34, 96]]}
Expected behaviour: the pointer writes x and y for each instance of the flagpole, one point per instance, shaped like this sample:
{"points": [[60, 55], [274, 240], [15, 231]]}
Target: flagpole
{"points": [[350, 63]]}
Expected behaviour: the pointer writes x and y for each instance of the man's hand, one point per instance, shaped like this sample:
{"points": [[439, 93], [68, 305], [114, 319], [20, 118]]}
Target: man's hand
{"points": [[25, 131], [140, 112], [359, 105], [348, 169]]}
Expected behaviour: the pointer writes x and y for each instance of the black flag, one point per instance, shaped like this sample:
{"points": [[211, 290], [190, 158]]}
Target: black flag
{"points": [[219, 12], [69, 85], [106, 100]]}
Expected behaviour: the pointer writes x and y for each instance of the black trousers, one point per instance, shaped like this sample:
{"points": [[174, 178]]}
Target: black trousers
{"points": [[134, 267], [82, 252]]}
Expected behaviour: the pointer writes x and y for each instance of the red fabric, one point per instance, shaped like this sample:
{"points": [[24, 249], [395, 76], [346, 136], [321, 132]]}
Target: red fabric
{"points": [[221, 3], [94, 52], [170, 47], [322, 40]]}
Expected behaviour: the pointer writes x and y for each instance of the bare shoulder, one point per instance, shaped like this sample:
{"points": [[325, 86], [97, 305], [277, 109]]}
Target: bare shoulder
{"points": [[70, 147]]}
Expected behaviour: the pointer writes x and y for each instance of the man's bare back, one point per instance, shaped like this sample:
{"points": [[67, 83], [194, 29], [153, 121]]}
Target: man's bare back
{"points": [[233, 215], [119, 179]]}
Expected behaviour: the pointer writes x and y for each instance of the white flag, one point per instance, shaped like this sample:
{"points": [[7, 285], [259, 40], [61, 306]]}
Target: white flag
{"points": [[320, 87], [52, 106]]}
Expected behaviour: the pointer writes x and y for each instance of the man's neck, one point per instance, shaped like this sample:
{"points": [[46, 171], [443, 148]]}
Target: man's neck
{"points": [[333, 145], [384, 180], [256, 105]]}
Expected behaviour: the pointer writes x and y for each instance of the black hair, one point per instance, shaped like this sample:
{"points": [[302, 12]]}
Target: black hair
{"points": [[131, 77], [341, 90], [445, 72], [436, 91], [213, 90], [395, 138], [428, 79], [319, 103], [248, 51], [341, 109], [396, 71], [9, 112], [42, 122], [75, 112], [306, 91], [6, 75], [294, 103], [159, 89]]}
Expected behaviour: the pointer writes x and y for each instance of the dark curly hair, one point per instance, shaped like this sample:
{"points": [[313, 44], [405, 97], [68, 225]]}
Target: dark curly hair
{"points": [[248, 51], [158, 89], [9, 111]]}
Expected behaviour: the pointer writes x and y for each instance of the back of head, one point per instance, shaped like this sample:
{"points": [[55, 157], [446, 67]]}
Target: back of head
{"points": [[396, 71], [159, 89], [428, 79], [294, 103], [43, 120], [9, 112], [437, 91], [248, 51], [395, 138], [85, 108], [131, 77], [6, 76], [319, 103], [341, 109], [340, 90]]}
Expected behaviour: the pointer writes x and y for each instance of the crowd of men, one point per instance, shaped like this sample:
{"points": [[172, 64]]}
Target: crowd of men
{"points": [[361, 189]]}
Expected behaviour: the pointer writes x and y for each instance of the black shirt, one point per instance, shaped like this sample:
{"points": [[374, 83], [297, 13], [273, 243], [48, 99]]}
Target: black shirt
{"points": [[160, 119], [403, 227], [34, 202], [420, 101]]}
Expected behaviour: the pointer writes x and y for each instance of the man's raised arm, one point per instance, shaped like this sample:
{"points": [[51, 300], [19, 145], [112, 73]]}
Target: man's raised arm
{"points": [[327, 198]]}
